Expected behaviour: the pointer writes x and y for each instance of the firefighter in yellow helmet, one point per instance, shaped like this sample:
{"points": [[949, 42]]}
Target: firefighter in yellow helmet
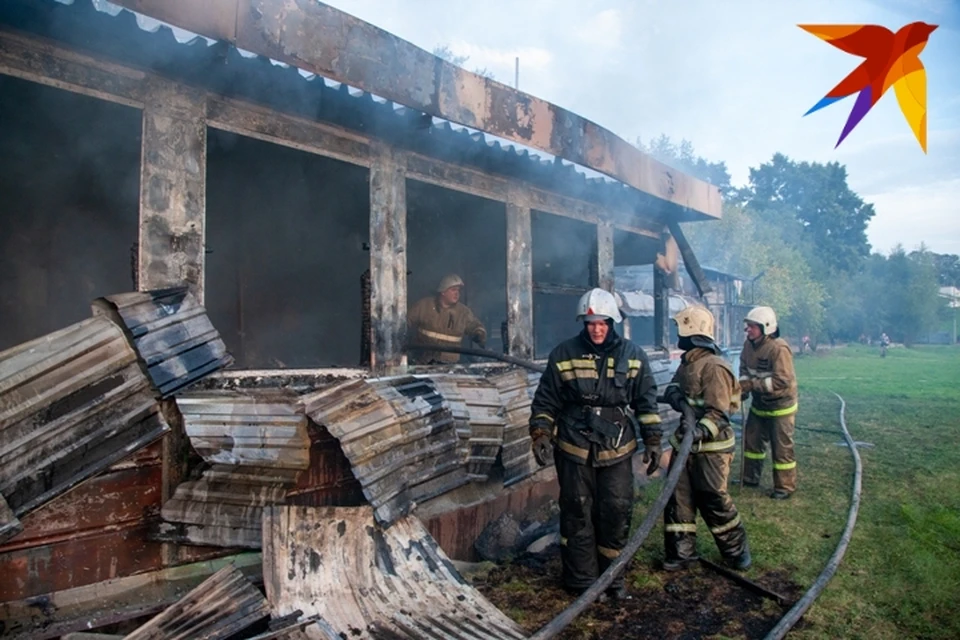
{"points": [[706, 382], [766, 372], [595, 400], [442, 320]]}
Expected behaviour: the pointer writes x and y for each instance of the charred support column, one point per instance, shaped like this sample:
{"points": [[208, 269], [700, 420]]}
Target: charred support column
{"points": [[605, 257], [388, 259], [519, 280], [661, 310], [173, 170]]}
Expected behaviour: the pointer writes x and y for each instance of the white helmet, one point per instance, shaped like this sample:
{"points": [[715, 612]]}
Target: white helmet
{"points": [[598, 304], [695, 321], [450, 280], [765, 317]]}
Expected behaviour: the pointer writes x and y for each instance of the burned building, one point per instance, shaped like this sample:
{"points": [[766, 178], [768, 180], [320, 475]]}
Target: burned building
{"points": [[306, 177]]}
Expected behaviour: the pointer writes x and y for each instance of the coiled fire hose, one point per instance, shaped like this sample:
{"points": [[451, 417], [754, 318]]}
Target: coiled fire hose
{"points": [[568, 615]]}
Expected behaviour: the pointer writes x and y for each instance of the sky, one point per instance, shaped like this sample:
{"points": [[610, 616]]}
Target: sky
{"points": [[734, 78]]}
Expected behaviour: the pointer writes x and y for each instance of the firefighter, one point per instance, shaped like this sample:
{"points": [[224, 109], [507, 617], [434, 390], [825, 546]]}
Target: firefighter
{"points": [[766, 373], [442, 320], [596, 398], [706, 382]]}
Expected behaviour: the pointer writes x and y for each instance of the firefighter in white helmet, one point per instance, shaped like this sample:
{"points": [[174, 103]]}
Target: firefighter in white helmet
{"points": [[595, 400], [766, 372], [442, 320], [706, 382]]}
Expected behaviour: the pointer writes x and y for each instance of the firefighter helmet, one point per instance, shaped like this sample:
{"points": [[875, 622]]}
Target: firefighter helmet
{"points": [[449, 280], [765, 317], [598, 304], [694, 321]]}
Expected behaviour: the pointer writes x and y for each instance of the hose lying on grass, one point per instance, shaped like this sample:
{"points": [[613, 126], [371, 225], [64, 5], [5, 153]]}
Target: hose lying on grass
{"points": [[568, 615], [803, 604]]}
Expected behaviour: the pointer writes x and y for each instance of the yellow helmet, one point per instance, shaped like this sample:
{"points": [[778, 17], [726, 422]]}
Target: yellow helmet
{"points": [[694, 321], [765, 317]]}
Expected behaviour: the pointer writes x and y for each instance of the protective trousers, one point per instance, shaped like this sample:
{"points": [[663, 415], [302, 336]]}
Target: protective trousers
{"points": [[703, 487], [778, 431], [596, 505]]}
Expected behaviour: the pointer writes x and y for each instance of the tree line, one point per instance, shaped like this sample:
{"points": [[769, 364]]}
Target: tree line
{"points": [[799, 230]]}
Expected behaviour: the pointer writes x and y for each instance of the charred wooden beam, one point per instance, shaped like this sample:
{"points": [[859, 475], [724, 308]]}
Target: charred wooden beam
{"points": [[690, 261], [388, 259], [661, 310], [519, 281], [173, 176], [318, 38], [605, 257], [112, 601]]}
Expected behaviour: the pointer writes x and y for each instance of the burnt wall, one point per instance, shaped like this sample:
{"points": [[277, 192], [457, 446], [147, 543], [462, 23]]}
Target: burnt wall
{"points": [[69, 205], [453, 232], [286, 242]]}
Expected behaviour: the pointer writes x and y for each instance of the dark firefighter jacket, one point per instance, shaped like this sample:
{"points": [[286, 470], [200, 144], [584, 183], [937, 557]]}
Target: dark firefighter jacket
{"points": [[766, 370], [583, 394], [430, 323], [711, 388]]}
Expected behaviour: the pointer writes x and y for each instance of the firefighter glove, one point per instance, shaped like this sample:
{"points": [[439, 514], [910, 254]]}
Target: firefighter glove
{"points": [[651, 457], [674, 397], [481, 340], [542, 446]]}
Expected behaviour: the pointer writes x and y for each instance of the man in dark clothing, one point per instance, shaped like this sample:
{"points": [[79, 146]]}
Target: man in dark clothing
{"points": [[594, 401], [706, 382]]}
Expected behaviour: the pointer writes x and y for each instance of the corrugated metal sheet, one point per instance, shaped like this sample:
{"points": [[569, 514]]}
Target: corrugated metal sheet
{"points": [[399, 436], [368, 582], [516, 388], [9, 524], [258, 427], [72, 403], [222, 605], [479, 416], [258, 445], [172, 334]]}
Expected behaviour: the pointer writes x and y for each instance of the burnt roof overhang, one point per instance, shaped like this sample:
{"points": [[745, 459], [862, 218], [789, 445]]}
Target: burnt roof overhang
{"points": [[411, 121]]}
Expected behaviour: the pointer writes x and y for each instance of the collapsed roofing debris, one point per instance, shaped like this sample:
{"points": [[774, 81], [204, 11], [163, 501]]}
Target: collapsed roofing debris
{"points": [[76, 401], [370, 582]]}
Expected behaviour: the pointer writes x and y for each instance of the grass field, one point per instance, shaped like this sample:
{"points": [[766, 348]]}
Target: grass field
{"points": [[900, 577]]}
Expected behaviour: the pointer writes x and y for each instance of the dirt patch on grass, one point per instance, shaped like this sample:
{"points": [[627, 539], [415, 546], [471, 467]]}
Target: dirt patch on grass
{"points": [[696, 603]]}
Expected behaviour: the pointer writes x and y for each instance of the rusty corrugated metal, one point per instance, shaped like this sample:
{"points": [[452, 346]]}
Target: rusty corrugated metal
{"points": [[172, 335], [368, 582], [72, 403], [258, 427], [10, 525], [516, 388], [329, 480], [222, 605], [319, 38], [399, 436], [257, 442]]}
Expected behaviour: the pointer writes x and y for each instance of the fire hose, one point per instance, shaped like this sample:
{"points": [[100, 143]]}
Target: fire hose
{"points": [[568, 615]]}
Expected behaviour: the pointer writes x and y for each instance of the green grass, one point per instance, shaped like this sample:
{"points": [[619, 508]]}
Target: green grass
{"points": [[900, 577]]}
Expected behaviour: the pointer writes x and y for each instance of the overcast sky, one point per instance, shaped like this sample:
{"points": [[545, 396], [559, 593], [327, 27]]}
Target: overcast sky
{"points": [[734, 78]]}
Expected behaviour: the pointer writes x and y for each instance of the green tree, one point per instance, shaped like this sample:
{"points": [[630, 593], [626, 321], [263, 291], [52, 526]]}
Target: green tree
{"points": [[816, 208]]}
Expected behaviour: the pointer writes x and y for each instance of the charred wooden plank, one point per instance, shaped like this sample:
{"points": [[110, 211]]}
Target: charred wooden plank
{"points": [[172, 334], [72, 403], [321, 39], [605, 257], [519, 281], [337, 562], [220, 606], [111, 601]]}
